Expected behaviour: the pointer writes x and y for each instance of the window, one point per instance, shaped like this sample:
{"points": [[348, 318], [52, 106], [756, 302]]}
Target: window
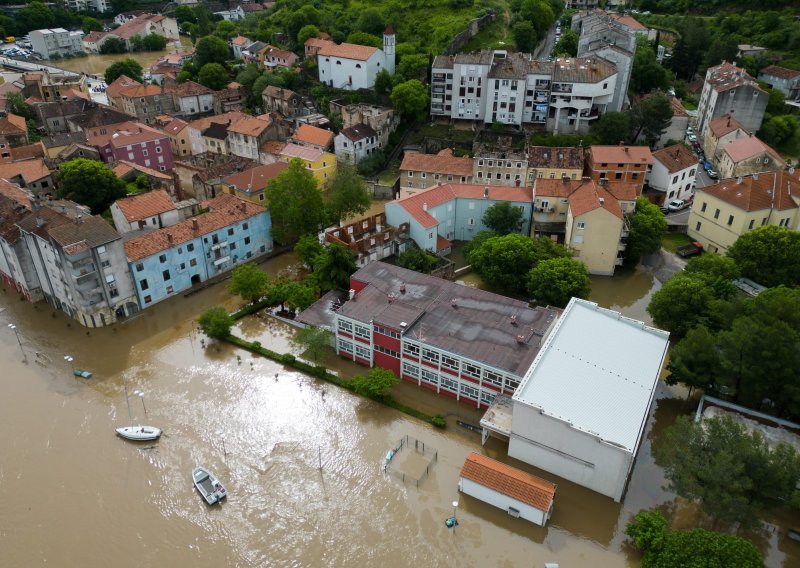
{"points": [[363, 352], [581, 225], [162, 259], [730, 220], [697, 227], [716, 214], [411, 370], [411, 349], [143, 284], [105, 263], [449, 385], [148, 299], [430, 356], [703, 208], [469, 391], [101, 249], [192, 262], [158, 149], [752, 222], [345, 326], [230, 231], [245, 226], [387, 332], [345, 346], [385, 351], [471, 370], [183, 266], [139, 267], [145, 153], [493, 378], [190, 247], [449, 363], [165, 275], [247, 240]]}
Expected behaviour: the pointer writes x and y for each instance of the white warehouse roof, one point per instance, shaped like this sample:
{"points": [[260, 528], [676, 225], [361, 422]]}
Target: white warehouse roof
{"points": [[597, 371]]}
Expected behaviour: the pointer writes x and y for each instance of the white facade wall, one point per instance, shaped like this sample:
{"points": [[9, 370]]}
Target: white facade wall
{"points": [[492, 497], [198, 145], [195, 104], [350, 74], [56, 42], [242, 145], [554, 446], [573, 109], [679, 185], [159, 221], [353, 152], [16, 262], [470, 106], [505, 101]]}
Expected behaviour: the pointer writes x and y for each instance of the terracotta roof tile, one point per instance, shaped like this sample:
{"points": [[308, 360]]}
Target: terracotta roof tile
{"points": [[590, 196], [756, 191], [748, 147], [255, 179], [510, 481], [317, 42], [30, 170], [777, 71], [584, 195], [27, 152], [676, 158], [123, 167], [347, 51], [725, 124], [94, 37], [225, 210], [302, 152], [15, 193], [251, 126], [418, 203], [274, 147], [138, 207], [555, 157], [726, 76], [313, 135], [442, 163], [228, 117], [621, 154], [241, 41], [120, 83], [12, 124], [677, 107], [187, 89], [140, 91], [127, 133]]}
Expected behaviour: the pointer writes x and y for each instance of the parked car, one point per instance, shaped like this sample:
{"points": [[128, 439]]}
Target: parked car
{"points": [[690, 249], [689, 131], [677, 205], [712, 173], [708, 165], [691, 137]]}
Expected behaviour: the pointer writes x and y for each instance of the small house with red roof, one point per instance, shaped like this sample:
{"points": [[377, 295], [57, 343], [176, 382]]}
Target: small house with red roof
{"points": [[351, 67], [787, 81], [674, 171], [150, 210], [748, 155]]}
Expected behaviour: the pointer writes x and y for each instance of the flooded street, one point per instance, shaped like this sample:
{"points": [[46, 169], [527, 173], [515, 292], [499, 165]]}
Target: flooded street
{"points": [[97, 64], [72, 489]]}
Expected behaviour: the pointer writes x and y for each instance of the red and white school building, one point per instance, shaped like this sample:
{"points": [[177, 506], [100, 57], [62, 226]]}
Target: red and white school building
{"points": [[453, 339]]}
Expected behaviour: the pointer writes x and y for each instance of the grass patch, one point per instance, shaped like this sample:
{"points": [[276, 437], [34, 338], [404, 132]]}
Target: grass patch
{"points": [[689, 103], [390, 174], [671, 241], [442, 132], [494, 36]]}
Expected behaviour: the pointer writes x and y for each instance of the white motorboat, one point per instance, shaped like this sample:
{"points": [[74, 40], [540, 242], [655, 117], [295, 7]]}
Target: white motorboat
{"points": [[139, 433], [208, 485]]}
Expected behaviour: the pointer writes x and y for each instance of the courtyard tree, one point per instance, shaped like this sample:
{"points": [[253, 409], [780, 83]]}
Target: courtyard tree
{"points": [[376, 384], [524, 36], [15, 104], [215, 322], [555, 281], [682, 303], [503, 218], [383, 82], [89, 183], [695, 361], [647, 227], [129, 67], [113, 45], [567, 45], [332, 269], [647, 73], [731, 473], [213, 75], [300, 295], [314, 341], [89, 24], [612, 128], [348, 195], [308, 249], [664, 548], [410, 99], [295, 203], [650, 117], [414, 66], [211, 49], [248, 282], [414, 258], [770, 255], [306, 33]]}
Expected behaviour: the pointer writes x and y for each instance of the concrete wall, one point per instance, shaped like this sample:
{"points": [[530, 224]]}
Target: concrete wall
{"points": [[554, 446], [483, 493]]}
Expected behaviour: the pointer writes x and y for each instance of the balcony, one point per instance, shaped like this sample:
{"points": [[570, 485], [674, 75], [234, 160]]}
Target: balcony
{"points": [[218, 246], [221, 260]]}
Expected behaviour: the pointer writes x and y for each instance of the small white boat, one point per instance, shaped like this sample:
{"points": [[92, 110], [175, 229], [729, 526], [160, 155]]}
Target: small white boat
{"points": [[139, 433], [208, 485]]}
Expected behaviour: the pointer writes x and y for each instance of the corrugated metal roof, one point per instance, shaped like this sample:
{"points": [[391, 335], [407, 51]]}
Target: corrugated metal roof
{"points": [[597, 371]]}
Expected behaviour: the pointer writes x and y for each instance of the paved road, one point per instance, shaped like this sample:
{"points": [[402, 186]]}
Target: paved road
{"points": [[33, 66]]}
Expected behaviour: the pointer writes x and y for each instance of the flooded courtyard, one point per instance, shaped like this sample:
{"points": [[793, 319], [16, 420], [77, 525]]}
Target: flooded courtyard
{"points": [[71, 489]]}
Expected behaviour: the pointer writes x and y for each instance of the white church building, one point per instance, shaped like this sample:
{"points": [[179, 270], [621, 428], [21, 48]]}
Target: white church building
{"points": [[349, 66]]}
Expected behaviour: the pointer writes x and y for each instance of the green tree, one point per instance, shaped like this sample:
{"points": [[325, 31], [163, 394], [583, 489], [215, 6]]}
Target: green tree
{"points": [[33, 132], [295, 203], [567, 45], [555, 281], [15, 104], [248, 282], [647, 73], [612, 128], [214, 76], [89, 24], [682, 303], [733, 474], [383, 82], [539, 13], [371, 21], [647, 228], [376, 384], [184, 14], [359, 37], [225, 29], [718, 271], [777, 130], [113, 45], [524, 35], [695, 361], [770, 255], [650, 117], [216, 323], [89, 183], [504, 261], [301, 295], [663, 548], [414, 66], [692, 43], [154, 42], [211, 49], [410, 99], [723, 47], [35, 16], [308, 249], [503, 218], [129, 67], [314, 342], [306, 33], [332, 269], [776, 105], [414, 258], [348, 195]]}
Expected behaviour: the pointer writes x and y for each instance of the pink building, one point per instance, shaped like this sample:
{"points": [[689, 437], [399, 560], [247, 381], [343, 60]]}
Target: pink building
{"points": [[137, 143]]}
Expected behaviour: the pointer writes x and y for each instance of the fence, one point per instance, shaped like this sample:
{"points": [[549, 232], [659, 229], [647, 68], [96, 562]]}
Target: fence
{"points": [[411, 460]]}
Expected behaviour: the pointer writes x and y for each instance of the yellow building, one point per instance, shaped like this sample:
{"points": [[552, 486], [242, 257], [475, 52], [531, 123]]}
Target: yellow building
{"points": [[321, 164], [726, 210], [251, 183], [545, 162], [178, 132]]}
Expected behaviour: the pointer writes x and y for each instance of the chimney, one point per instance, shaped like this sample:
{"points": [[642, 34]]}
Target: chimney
{"points": [[739, 180], [755, 176], [513, 319], [425, 206], [603, 181], [169, 238], [602, 201], [521, 339], [729, 121], [402, 287], [78, 219], [626, 149], [352, 294], [39, 221], [195, 225], [454, 302]]}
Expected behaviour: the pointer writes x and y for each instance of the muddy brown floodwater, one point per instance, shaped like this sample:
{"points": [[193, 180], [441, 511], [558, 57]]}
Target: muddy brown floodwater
{"points": [[74, 494], [97, 64]]}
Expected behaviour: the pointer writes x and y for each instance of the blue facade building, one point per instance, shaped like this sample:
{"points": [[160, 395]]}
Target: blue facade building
{"points": [[170, 260], [448, 212]]}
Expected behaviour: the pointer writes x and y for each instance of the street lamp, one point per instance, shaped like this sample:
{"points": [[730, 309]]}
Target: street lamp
{"points": [[16, 333], [69, 359], [140, 394], [455, 506]]}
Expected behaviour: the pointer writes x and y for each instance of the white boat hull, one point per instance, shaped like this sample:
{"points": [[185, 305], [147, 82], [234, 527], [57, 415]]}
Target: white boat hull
{"points": [[139, 433], [208, 485]]}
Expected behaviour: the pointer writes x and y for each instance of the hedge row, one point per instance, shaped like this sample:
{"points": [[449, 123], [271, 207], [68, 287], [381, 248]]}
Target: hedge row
{"points": [[289, 360]]}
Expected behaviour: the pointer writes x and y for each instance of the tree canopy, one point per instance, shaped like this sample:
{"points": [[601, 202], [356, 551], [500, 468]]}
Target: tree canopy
{"points": [[213, 75], [314, 341], [414, 258], [556, 281], [248, 282], [89, 183], [128, 66], [215, 322], [347, 194], [410, 99], [210, 49], [770, 255], [503, 218], [612, 128], [650, 117], [295, 203], [376, 384], [332, 268], [647, 227]]}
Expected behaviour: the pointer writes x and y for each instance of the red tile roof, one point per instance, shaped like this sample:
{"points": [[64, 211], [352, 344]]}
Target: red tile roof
{"points": [[251, 126], [317, 42], [123, 167], [187, 89], [240, 40], [677, 107], [94, 37], [145, 205], [120, 83], [30, 170], [510, 481], [127, 133], [302, 152], [781, 72], [676, 158], [590, 196], [584, 195], [255, 179], [726, 76], [725, 124], [758, 191], [225, 210], [621, 154], [748, 147], [442, 163], [12, 124], [313, 135], [140, 91], [15, 193], [418, 204], [347, 51]]}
